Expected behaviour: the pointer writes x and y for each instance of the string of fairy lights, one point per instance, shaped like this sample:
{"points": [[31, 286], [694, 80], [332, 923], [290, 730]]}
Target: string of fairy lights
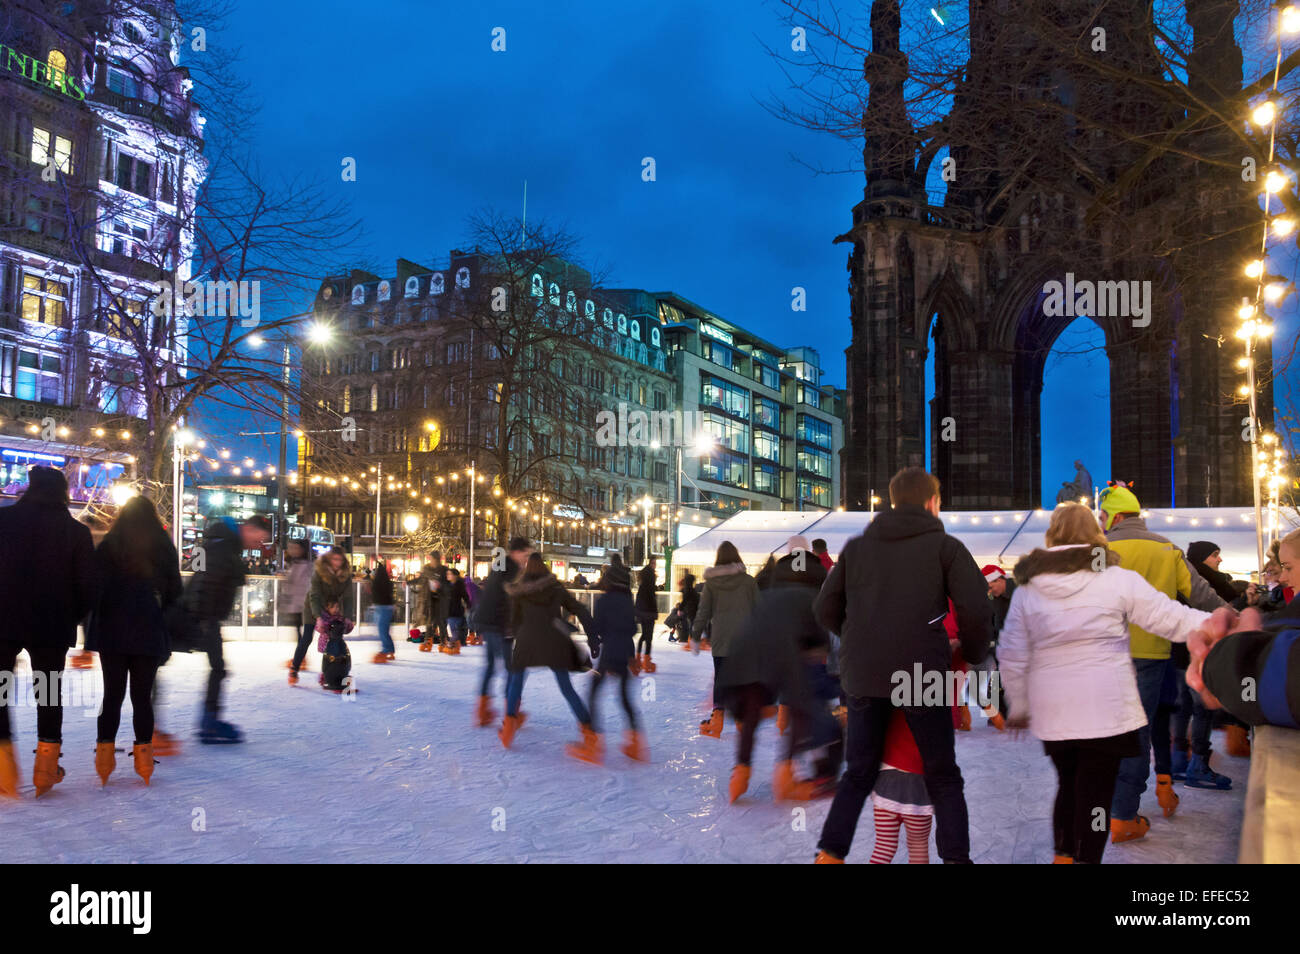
{"points": [[1267, 456]]}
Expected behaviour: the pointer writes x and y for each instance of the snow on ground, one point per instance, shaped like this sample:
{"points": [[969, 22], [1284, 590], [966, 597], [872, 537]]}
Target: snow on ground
{"points": [[398, 773]]}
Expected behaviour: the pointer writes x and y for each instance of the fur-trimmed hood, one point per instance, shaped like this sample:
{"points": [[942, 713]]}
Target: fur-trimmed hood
{"points": [[1061, 562], [531, 589], [726, 569], [331, 576]]}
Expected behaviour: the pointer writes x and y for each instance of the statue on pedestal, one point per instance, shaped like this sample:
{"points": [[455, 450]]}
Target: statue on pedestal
{"points": [[1079, 488]]}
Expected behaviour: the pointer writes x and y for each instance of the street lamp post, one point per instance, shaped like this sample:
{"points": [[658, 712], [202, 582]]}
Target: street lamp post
{"points": [[180, 438]]}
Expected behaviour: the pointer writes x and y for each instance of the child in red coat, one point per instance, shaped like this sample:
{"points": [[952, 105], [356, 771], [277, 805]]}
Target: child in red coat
{"points": [[900, 798]]}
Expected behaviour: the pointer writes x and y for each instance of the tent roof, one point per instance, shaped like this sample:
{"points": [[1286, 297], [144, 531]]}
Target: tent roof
{"points": [[991, 536]]}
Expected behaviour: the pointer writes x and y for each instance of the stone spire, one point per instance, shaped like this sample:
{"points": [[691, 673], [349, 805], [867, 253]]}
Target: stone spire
{"points": [[890, 142]]}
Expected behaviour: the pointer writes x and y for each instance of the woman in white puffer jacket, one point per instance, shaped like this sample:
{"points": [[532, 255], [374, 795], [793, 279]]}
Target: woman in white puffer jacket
{"points": [[1064, 659]]}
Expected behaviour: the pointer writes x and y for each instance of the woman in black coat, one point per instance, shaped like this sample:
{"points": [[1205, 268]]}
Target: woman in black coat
{"points": [[616, 623], [141, 580], [538, 604]]}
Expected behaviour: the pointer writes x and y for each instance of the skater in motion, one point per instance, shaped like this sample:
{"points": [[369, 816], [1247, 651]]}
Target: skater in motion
{"points": [[615, 620], [381, 596], [647, 611], [729, 596], [47, 584], [887, 597], [1065, 660], [210, 596], [329, 596], [492, 620], [294, 583], [141, 581], [538, 602]]}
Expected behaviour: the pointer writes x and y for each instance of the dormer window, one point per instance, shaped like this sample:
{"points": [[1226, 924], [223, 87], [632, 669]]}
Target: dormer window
{"points": [[537, 286], [555, 294], [462, 277], [607, 317], [589, 309], [437, 284], [412, 287], [358, 294], [622, 324], [570, 302], [636, 330], [654, 336]]}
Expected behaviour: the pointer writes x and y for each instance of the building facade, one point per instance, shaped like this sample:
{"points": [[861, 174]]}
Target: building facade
{"points": [[101, 160]]}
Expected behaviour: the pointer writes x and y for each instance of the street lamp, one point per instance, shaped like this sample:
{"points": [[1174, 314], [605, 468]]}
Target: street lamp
{"points": [[181, 438]]}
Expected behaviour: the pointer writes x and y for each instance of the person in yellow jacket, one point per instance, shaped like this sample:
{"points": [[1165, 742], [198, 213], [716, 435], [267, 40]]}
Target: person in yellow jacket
{"points": [[1165, 567]]}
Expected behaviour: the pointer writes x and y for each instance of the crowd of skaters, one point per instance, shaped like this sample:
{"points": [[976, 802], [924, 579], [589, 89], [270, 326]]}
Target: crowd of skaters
{"points": [[1110, 645]]}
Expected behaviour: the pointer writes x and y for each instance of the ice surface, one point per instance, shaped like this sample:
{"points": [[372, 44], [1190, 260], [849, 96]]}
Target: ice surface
{"points": [[398, 773]]}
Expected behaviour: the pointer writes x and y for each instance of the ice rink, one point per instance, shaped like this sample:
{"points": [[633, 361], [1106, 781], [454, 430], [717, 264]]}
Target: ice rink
{"points": [[398, 773]]}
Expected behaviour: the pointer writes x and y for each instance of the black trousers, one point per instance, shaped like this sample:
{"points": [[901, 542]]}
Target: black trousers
{"points": [[305, 633], [120, 671], [932, 729], [1086, 770], [210, 631], [621, 673], [647, 634], [747, 704], [49, 661]]}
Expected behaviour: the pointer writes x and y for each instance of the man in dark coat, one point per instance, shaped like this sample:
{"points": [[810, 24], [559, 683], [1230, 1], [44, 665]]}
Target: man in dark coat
{"points": [[436, 600], [887, 598], [492, 617], [48, 582], [218, 575]]}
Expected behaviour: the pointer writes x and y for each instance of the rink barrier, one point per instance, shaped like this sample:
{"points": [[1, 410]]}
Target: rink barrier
{"points": [[258, 616], [1270, 828]]}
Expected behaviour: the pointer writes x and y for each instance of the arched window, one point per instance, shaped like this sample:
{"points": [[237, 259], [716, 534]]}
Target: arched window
{"points": [[358, 294], [636, 329], [385, 291], [589, 309], [622, 324], [462, 277], [374, 397], [570, 302], [412, 287], [555, 294], [57, 62], [654, 336], [537, 286], [437, 284], [608, 317]]}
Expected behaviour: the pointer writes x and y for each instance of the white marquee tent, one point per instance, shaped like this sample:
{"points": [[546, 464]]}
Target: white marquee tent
{"points": [[1000, 537]]}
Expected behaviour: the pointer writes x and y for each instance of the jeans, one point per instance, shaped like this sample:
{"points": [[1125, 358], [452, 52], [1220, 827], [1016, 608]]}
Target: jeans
{"points": [[119, 671], [1191, 713], [515, 692], [210, 631], [456, 629], [383, 621], [304, 640], [931, 726], [1133, 772], [496, 649], [49, 704]]}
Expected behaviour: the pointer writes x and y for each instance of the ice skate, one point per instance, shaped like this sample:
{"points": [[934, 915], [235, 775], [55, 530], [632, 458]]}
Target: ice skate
{"points": [[739, 782], [1062, 860], [634, 665], [1238, 741], [82, 660], [427, 645], [8, 770], [1166, 795], [963, 718], [1200, 775], [165, 744], [293, 677], [590, 749], [213, 731], [302, 666], [484, 715], [826, 858], [143, 756], [1130, 830], [509, 726], [647, 664], [1178, 765], [634, 746], [105, 761], [380, 657], [712, 726], [787, 788], [47, 772]]}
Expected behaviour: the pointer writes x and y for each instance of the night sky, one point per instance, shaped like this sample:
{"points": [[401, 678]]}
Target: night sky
{"points": [[440, 125]]}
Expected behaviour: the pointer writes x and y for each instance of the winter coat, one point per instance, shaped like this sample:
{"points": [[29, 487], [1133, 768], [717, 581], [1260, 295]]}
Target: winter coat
{"points": [[1000, 605], [1271, 663], [888, 593], [330, 586], [211, 591], [1220, 582], [433, 603], [48, 577], [1162, 565], [690, 596], [1064, 650], [381, 587], [130, 617], [615, 622], [767, 647], [294, 583], [457, 599], [492, 608], [541, 636], [729, 596], [645, 591]]}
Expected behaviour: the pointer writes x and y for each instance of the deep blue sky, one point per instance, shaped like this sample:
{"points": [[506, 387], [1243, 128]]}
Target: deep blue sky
{"points": [[440, 125]]}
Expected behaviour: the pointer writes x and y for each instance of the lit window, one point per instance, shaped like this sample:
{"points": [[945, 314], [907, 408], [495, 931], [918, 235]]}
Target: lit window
{"points": [[44, 299], [47, 147], [40, 377], [57, 63]]}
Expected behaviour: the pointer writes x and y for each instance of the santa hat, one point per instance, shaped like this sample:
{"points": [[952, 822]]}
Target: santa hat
{"points": [[992, 572]]}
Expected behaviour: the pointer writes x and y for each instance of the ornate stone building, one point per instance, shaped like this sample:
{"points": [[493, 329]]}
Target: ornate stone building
{"points": [[1054, 182]]}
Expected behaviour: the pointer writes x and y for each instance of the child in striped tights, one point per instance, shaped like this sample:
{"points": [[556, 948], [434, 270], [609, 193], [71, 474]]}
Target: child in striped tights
{"points": [[899, 797]]}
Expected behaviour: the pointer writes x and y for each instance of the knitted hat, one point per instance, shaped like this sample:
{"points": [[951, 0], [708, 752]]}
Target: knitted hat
{"points": [[992, 573], [1117, 499], [797, 543], [1200, 550]]}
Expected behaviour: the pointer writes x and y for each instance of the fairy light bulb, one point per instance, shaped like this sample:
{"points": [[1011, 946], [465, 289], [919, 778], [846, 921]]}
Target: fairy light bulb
{"points": [[1274, 292], [1246, 311], [1254, 269], [1290, 19], [1274, 181], [1283, 226], [1264, 113]]}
